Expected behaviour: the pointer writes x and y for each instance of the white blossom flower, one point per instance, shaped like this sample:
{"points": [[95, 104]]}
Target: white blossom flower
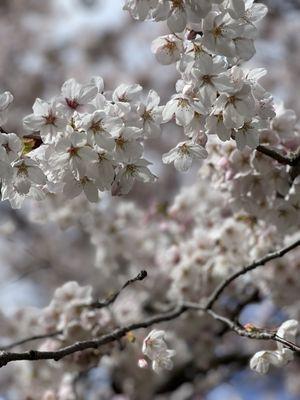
{"points": [[262, 360], [215, 126], [155, 347], [11, 147], [167, 49], [248, 134], [47, 119], [182, 108], [102, 171], [27, 172], [133, 170], [76, 97], [73, 187], [287, 331], [183, 154], [98, 82], [209, 76], [151, 114], [248, 11], [127, 146], [175, 13], [99, 127], [219, 30], [140, 9], [127, 93], [25, 179], [284, 122], [283, 214], [236, 107], [72, 152]]}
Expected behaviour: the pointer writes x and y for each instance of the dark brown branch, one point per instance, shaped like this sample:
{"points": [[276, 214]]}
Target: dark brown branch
{"points": [[258, 334], [33, 355], [292, 161], [272, 256], [117, 334], [234, 314], [112, 298]]}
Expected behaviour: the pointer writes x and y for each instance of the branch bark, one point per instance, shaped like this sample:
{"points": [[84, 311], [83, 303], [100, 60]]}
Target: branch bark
{"points": [[292, 161]]}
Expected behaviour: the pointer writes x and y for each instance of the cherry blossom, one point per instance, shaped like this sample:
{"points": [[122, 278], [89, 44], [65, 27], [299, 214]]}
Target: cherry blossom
{"points": [[183, 154], [47, 119], [155, 347], [262, 360]]}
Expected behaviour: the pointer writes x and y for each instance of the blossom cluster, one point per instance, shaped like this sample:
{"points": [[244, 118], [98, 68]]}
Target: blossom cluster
{"points": [[263, 187], [70, 314], [91, 141], [215, 95], [88, 140], [188, 248]]}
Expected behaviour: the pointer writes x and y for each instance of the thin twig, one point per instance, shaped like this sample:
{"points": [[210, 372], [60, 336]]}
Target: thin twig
{"points": [[241, 331], [112, 298], [272, 256], [30, 339]]}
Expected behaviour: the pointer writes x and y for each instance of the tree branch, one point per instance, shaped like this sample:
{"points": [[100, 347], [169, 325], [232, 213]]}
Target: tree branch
{"points": [[30, 339], [33, 355], [112, 298], [272, 256], [117, 334], [96, 304], [292, 161]]}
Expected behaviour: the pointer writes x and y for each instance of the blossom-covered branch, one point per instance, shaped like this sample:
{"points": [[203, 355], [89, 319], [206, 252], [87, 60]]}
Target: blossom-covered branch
{"points": [[94, 304], [242, 271], [174, 313], [34, 355]]}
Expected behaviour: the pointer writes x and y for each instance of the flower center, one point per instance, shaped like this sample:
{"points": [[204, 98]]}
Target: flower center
{"points": [[120, 142], [72, 103], [50, 119], [217, 31]]}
